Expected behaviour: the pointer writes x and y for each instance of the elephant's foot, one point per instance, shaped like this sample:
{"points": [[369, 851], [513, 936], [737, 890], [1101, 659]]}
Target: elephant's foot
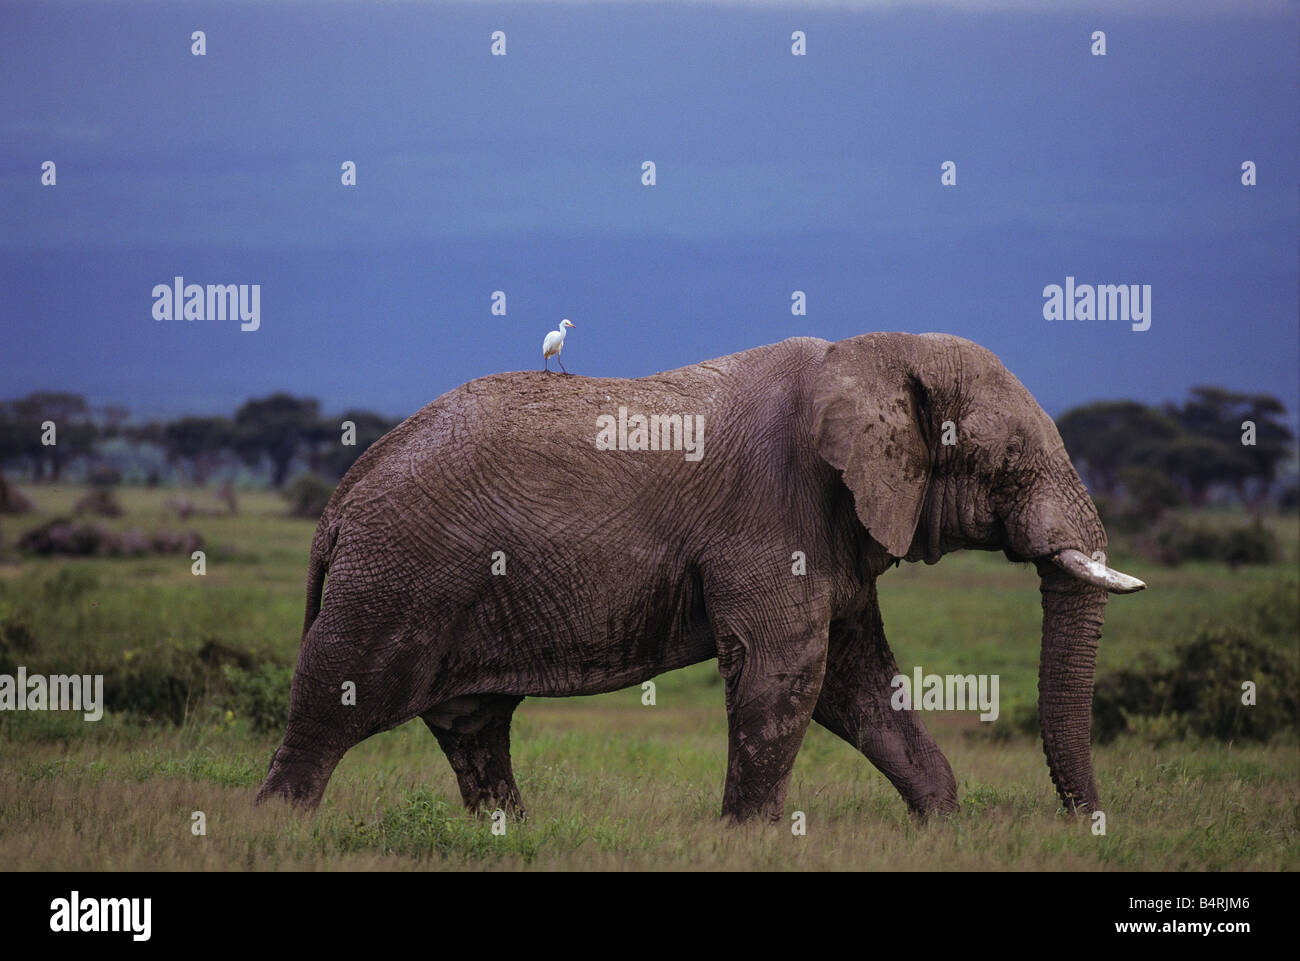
{"points": [[298, 777], [502, 796], [743, 811], [932, 806]]}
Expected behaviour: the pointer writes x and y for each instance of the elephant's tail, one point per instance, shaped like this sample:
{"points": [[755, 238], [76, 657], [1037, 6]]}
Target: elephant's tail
{"points": [[322, 547], [315, 583]]}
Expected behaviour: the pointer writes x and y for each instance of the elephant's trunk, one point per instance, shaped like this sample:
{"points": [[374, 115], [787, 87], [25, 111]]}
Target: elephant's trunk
{"points": [[1072, 618], [1055, 526]]}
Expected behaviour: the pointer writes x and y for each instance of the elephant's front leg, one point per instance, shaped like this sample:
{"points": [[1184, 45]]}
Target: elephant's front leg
{"points": [[474, 733], [773, 675], [855, 704]]}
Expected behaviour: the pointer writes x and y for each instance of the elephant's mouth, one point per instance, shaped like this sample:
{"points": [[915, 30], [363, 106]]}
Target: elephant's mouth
{"points": [[1093, 570], [1090, 570]]}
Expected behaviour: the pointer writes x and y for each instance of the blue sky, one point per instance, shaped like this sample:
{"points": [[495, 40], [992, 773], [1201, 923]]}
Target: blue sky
{"points": [[522, 173]]}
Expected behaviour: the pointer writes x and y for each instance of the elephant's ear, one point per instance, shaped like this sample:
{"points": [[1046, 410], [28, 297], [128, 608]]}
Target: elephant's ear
{"points": [[872, 421]]}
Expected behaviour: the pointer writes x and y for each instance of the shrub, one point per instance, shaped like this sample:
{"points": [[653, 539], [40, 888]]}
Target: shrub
{"points": [[1176, 542], [308, 495], [62, 536], [167, 682], [74, 539], [17, 638], [12, 500], [158, 687], [216, 653], [1249, 545], [259, 695], [1202, 693]]}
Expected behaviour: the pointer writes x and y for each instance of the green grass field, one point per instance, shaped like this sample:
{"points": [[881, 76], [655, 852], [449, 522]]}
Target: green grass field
{"points": [[609, 783]]}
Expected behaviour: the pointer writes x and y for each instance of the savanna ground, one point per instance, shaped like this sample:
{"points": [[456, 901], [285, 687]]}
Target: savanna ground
{"points": [[608, 783]]}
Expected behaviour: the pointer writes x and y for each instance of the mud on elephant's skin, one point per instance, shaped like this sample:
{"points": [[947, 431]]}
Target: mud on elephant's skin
{"points": [[623, 564]]}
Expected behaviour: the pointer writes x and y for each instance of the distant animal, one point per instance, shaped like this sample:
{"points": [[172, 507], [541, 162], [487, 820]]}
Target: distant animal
{"points": [[488, 549], [554, 343]]}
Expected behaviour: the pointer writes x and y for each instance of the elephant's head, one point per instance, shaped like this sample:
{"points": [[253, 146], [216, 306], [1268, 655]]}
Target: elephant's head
{"points": [[944, 449]]}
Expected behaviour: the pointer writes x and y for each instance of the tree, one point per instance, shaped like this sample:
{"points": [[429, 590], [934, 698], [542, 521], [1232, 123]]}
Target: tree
{"points": [[198, 440], [1198, 445], [335, 458], [1103, 436], [12, 448], [1150, 492], [112, 420], [279, 427], [1198, 462], [22, 429], [1217, 414]]}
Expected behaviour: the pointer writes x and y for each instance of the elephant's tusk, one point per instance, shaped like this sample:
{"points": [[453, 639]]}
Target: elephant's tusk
{"points": [[1096, 573]]}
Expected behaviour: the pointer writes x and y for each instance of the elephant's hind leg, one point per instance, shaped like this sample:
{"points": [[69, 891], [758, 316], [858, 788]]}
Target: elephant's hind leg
{"points": [[316, 738], [346, 688], [474, 733]]}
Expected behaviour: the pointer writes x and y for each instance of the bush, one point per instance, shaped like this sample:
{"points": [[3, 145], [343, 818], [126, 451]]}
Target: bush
{"points": [[215, 653], [308, 495], [17, 639], [1016, 720], [167, 682], [1202, 693], [259, 695], [70, 538], [63, 536], [1249, 545], [155, 686], [12, 500], [1176, 542]]}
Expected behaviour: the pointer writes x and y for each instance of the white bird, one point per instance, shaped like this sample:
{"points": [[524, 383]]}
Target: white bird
{"points": [[553, 344]]}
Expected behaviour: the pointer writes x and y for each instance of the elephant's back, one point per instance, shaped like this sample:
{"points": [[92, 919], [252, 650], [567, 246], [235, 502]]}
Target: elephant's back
{"points": [[525, 448]]}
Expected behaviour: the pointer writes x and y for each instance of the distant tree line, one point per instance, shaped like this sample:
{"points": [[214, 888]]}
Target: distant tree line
{"points": [[1153, 457], [1217, 441], [273, 434]]}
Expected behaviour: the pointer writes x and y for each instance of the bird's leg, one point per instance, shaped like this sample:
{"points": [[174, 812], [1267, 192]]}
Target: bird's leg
{"points": [[546, 364], [560, 360]]}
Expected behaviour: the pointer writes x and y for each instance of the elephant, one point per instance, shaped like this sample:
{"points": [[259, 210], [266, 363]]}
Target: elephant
{"points": [[495, 546]]}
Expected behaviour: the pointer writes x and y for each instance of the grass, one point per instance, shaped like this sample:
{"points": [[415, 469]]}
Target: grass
{"points": [[609, 783]]}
